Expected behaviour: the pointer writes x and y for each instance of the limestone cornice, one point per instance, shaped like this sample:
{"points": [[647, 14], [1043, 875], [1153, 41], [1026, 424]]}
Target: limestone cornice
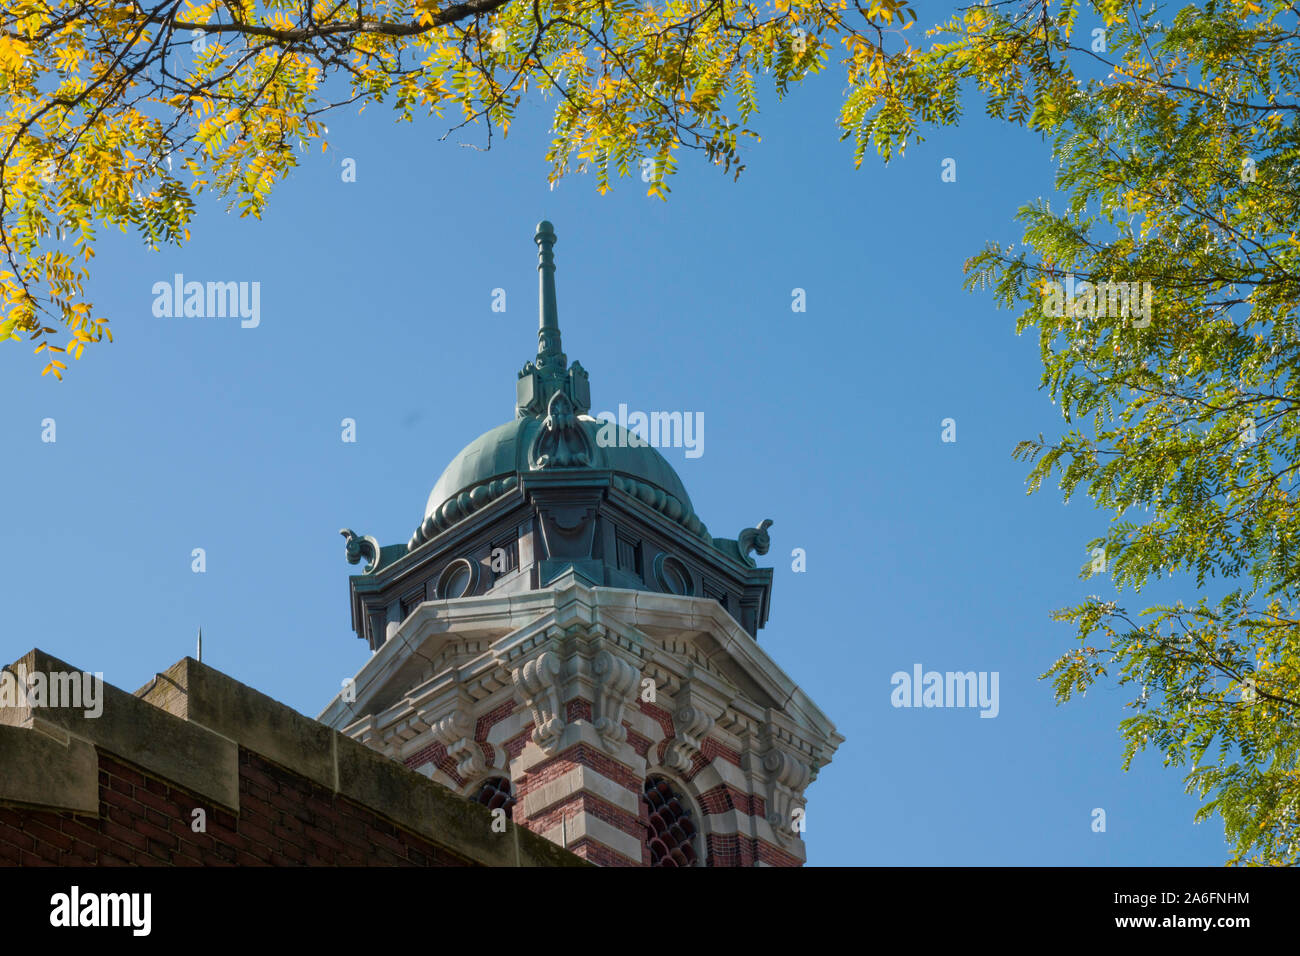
{"points": [[424, 634], [572, 641], [691, 619]]}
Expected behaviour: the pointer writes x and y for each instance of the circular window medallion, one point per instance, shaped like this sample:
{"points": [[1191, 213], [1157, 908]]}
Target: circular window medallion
{"points": [[673, 576], [457, 579]]}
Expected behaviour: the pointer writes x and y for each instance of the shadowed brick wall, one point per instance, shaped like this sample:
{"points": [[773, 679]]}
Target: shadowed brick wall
{"points": [[284, 820], [276, 788]]}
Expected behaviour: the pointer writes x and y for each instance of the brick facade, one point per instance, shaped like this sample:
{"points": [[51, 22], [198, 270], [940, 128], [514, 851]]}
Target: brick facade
{"points": [[283, 820], [275, 788]]}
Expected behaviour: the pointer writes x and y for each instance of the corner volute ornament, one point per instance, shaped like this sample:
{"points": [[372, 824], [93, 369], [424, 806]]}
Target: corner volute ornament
{"points": [[359, 547], [754, 539]]}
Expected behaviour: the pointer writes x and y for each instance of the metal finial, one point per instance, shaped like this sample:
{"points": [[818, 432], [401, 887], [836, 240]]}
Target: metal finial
{"points": [[549, 351], [542, 379], [200, 644]]}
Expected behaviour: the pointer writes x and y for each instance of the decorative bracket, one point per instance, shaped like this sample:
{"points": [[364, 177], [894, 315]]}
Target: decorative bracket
{"points": [[615, 680], [538, 680], [691, 724], [787, 778], [455, 732]]}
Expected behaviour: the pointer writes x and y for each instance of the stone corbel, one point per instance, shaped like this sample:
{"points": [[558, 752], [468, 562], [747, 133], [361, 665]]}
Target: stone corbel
{"points": [[787, 777], [538, 682], [615, 680], [456, 733], [691, 724]]}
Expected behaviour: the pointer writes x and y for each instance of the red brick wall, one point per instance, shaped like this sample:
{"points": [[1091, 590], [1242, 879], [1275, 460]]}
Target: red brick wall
{"points": [[724, 798], [734, 849], [658, 714], [640, 744], [713, 750], [562, 763], [516, 744], [484, 724], [577, 709], [597, 853], [582, 802], [284, 819], [437, 754], [721, 849]]}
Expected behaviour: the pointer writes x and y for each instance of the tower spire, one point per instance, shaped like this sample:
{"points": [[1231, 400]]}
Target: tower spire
{"points": [[550, 354], [550, 373]]}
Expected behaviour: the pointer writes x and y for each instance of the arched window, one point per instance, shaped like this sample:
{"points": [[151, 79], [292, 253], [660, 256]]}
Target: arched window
{"points": [[672, 831], [496, 792]]}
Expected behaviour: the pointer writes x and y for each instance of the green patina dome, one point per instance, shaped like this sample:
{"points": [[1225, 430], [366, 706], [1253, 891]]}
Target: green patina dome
{"points": [[552, 432], [496, 458]]}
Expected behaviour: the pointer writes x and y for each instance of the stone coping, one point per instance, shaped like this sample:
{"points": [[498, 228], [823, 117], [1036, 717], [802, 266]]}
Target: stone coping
{"points": [[187, 726]]}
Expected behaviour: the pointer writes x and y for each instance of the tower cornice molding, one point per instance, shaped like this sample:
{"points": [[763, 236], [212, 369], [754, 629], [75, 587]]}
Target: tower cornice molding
{"points": [[633, 623]]}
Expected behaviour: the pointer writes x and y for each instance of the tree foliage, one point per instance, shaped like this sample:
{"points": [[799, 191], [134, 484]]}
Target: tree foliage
{"points": [[1176, 136], [114, 113]]}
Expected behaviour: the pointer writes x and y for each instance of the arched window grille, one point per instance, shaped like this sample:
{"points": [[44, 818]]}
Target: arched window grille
{"points": [[496, 792], [672, 830]]}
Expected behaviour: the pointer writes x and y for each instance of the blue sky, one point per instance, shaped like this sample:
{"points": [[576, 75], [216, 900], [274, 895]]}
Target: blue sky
{"points": [[376, 305]]}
